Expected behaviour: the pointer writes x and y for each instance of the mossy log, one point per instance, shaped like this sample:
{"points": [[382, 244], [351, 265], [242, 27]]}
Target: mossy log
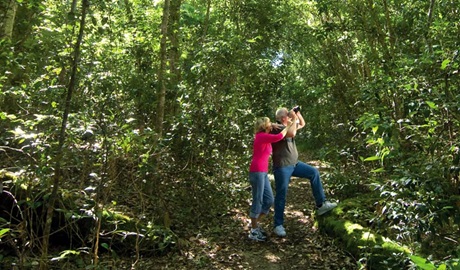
{"points": [[357, 239]]}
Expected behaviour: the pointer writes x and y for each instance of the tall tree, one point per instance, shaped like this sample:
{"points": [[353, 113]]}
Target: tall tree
{"points": [[62, 138], [162, 70], [6, 30], [174, 56]]}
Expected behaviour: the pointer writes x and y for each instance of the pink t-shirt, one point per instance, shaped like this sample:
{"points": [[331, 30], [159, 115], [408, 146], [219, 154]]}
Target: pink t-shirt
{"points": [[262, 150]]}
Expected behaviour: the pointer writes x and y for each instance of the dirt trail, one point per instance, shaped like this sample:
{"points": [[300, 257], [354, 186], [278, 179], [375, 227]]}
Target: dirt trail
{"points": [[228, 247]]}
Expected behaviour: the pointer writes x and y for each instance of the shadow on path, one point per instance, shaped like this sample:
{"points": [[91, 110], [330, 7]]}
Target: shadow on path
{"points": [[227, 246]]}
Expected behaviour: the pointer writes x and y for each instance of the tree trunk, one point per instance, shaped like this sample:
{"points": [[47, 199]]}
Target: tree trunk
{"points": [[430, 21], [174, 54], [389, 26], [206, 21], [10, 16], [73, 7], [162, 70], [62, 137]]}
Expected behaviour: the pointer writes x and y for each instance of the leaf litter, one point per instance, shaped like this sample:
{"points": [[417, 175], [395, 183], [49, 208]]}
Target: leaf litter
{"points": [[228, 247]]}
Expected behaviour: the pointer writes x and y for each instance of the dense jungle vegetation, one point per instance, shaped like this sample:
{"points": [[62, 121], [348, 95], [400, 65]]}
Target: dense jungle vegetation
{"points": [[127, 126]]}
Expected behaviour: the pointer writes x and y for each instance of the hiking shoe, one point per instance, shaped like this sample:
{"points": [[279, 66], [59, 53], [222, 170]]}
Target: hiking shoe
{"points": [[326, 207], [256, 235], [262, 231], [280, 231]]}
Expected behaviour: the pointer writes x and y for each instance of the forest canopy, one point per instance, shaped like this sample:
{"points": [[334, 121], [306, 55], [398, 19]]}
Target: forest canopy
{"points": [[146, 108]]}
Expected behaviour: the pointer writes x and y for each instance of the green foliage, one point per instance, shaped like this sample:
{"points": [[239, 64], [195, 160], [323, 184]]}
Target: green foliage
{"points": [[73, 256], [423, 263], [377, 82], [375, 250], [3, 231]]}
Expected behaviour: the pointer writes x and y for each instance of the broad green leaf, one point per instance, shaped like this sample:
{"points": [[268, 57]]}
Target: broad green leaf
{"points": [[431, 104], [373, 158], [3, 231], [444, 64], [442, 267], [378, 170], [422, 263], [375, 129]]}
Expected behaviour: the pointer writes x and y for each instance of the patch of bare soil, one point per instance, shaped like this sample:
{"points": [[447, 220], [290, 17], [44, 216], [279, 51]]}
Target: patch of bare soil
{"points": [[227, 246]]}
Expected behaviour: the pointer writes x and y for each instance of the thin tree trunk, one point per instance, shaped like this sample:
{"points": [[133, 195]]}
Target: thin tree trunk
{"points": [[430, 21], [206, 21], [73, 8], [10, 17], [174, 54], [174, 38], [162, 79], [389, 26], [62, 137], [162, 70], [381, 34]]}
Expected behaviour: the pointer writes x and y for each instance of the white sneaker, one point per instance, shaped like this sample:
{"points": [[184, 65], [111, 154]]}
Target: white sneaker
{"points": [[280, 231], [256, 234], [264, 233], [326, 207]]}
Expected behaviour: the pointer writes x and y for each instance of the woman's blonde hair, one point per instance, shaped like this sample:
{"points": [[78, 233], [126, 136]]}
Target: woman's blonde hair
{"points": [[262, 124]]}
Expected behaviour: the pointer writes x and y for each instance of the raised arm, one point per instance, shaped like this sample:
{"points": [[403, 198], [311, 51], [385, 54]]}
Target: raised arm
{"points": [[292, 130], [301, 123], [288, 128]]}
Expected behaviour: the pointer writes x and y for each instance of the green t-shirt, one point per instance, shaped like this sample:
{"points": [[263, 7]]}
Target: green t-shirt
{"points": [[284, 152]]}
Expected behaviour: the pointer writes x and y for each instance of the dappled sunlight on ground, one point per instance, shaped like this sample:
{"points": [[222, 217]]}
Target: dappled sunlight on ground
{"points": [[227, 246]]}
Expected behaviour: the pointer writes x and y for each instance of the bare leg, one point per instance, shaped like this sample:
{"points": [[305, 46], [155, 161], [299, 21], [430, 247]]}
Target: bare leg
{"points": [[255, 221]]}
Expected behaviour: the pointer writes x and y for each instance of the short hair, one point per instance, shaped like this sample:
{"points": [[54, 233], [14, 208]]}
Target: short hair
{"points": [[281, 112], [261, 124]]}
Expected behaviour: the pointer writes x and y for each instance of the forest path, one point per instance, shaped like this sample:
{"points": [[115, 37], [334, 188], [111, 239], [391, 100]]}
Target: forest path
{"points": [[227, 246]]}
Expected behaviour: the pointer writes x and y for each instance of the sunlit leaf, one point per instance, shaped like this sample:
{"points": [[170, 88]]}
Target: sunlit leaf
{"points": [[3, 231], [65, 253], [379, 170], [373, 158], [375, 129], [422, 263], [445, 63], [442, 267], [431, 104]]}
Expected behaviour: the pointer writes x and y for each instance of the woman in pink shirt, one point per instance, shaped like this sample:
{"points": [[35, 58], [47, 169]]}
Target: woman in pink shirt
{"points": [[262, 194]]}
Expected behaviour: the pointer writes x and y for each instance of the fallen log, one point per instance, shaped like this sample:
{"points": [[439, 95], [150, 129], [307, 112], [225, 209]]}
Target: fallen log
{"points": [[360, 241]]}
